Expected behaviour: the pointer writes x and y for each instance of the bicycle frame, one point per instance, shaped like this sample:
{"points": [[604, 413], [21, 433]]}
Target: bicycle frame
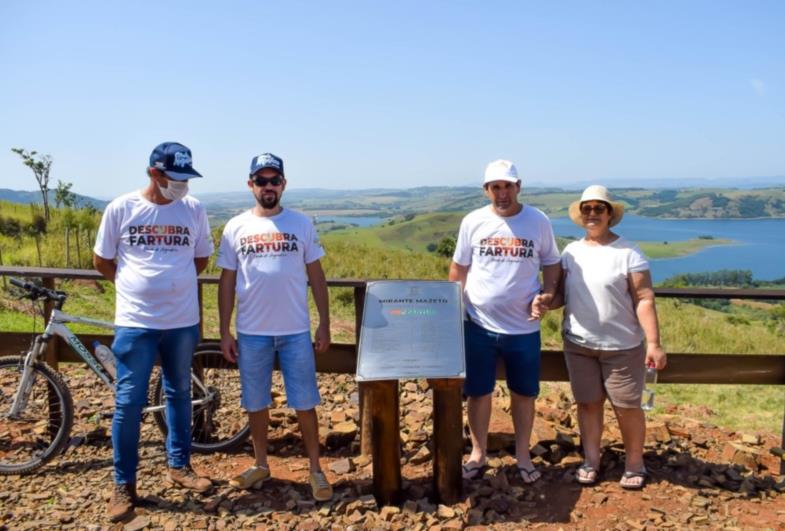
{"points": [[57, 327]]}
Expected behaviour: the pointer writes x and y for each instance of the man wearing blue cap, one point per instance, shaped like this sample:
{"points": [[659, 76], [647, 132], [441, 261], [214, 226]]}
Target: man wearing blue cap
{"points": [[269, 255], [153, 243]]}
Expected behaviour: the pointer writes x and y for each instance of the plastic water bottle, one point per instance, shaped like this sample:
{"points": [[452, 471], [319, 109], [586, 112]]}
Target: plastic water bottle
{"points": [[647, 398], [106, 357]]}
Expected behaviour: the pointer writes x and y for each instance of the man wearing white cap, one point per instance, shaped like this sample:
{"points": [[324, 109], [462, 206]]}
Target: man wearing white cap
{"points": [[500, 251]]}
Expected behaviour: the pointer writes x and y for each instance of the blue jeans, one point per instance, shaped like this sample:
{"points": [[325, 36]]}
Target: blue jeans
{"points": [[296, 358], [136, 350]]}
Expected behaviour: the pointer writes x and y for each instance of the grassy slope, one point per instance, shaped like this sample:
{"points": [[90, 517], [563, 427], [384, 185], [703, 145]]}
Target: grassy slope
{"points": [[423, 229], [673, 249], [414, 235]]}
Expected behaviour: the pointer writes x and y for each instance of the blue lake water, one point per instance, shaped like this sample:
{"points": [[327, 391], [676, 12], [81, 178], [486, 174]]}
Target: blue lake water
{"points": [[759, 243], [759, 247], [360, 221]]}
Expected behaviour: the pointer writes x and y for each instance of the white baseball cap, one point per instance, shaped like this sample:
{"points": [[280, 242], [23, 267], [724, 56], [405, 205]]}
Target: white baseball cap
{"points": [[501, 170]]}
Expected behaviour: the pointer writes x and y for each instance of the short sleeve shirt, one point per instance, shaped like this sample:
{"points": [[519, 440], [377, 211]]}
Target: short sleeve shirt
{"points": [[598, 306], [504, 255], [155, 246], [269, 255]]}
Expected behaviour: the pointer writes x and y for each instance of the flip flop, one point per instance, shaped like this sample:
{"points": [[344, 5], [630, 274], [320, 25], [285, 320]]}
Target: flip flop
{"points": [[529, 475], [474, 472], [629, 474], [589, 476]]}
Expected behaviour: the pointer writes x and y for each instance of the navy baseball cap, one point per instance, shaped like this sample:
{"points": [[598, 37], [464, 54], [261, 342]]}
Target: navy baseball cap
{"points": [[266, 160], [174, 160]]}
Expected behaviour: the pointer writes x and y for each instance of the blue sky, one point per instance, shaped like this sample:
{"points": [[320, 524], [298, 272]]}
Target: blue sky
{"points": [[394, 94]]}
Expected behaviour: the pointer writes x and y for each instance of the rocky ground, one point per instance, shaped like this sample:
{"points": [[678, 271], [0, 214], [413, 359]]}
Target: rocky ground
{"points": [[701, 476]]}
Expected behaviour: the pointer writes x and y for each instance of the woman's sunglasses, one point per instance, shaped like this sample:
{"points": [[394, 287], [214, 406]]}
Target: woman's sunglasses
{"points": [[597, 209]]}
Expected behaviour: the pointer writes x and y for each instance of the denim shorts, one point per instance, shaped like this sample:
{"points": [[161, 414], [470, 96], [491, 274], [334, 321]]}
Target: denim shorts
{"points": [[521, 355], [256, 360]]}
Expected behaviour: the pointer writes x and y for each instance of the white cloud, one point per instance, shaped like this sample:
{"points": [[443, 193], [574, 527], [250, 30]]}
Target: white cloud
{"points": [[759, 86]]}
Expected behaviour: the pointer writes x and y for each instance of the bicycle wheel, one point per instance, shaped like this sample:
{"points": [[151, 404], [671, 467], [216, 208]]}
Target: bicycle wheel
{"points": [[219, 424], [41, 430]]}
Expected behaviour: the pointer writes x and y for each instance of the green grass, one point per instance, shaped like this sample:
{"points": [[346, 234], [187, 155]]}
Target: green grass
{"points": [[746, 408], [412, 235], [673, 249]]}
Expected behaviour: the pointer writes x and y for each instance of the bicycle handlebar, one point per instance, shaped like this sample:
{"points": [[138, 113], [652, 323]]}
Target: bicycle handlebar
{"points": [[38, 292]]}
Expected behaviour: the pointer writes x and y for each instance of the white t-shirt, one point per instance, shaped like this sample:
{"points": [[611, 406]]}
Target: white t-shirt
{"points": [[504, 255], [155, 246], [269, 255], [598, 306]]}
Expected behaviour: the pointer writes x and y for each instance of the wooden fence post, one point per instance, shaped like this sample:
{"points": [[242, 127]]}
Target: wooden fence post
{"points": [[386, 441], [200, 295], [52, 358], [365, 396], [782, 445], [447, 439]]}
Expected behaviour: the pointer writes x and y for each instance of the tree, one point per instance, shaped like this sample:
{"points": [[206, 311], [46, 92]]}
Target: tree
{"points": [[40, 166], [88, 223], [70, 222], [446, 247], [63, 195], [36, 228]]}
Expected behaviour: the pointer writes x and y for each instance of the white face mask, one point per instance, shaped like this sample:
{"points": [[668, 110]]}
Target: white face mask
{"points": [[175, 190]]}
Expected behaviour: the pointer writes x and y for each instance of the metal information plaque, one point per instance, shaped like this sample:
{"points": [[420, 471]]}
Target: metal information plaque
{"points": [[411, 329]]}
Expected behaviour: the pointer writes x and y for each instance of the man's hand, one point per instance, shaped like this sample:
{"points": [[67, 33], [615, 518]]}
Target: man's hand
{"points": [[540, 305], [322, 338], [229, 347], [656, 356]]}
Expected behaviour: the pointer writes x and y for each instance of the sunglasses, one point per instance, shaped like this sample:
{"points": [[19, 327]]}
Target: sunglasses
{"points": [[597, 209], [264, 181]]}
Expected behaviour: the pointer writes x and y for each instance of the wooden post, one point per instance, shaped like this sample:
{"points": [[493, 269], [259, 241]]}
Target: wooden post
{"points": [[447, 439], [386, 441], [365, 395], [52, 358], [782, 445], [200, 295], [5, 285]]}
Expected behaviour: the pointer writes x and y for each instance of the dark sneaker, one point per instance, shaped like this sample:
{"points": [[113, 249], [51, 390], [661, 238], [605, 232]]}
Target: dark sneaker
{"points": [[121, 504], [187, 478]]}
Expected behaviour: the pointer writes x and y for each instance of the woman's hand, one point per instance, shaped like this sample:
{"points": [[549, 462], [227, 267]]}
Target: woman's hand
{"points": [[655, 356], [540, 305]]}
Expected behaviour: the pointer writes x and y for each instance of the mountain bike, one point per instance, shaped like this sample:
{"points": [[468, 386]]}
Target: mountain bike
{"points": [[37, 410]]}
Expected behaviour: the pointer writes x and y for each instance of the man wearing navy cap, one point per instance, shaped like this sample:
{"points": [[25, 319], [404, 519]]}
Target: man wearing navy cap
{"points": [[153, 243], [269, 255]]}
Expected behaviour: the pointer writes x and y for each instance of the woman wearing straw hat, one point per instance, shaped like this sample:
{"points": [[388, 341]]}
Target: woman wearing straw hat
{"points": [[608, 310]]}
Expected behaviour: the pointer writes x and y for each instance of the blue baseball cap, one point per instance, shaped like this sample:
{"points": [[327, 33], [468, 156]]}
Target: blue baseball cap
{"points": [[174, 160], [266, 160]]}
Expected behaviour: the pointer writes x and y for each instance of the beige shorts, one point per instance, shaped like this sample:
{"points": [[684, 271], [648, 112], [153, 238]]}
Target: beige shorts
{"points": [[594, 374]]}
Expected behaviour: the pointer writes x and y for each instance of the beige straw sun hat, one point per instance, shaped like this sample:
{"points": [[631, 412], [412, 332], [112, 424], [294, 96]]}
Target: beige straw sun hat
{"points": [[596, 192]]}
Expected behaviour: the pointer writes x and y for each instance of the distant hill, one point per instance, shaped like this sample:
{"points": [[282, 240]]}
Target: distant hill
{"points": [[19, 196], [678, 203]]}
